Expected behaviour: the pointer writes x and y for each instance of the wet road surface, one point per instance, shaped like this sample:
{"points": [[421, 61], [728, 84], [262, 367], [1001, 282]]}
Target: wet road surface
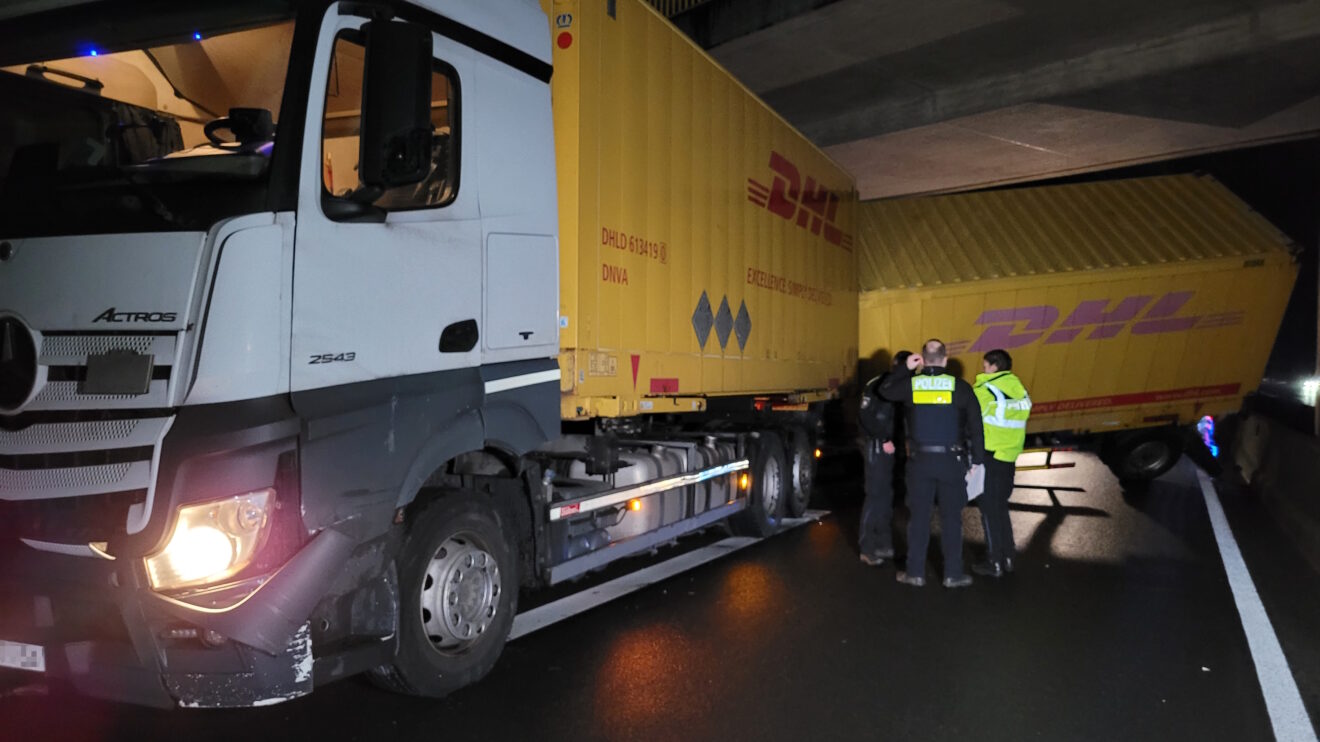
{"points": [[1119, 624]]}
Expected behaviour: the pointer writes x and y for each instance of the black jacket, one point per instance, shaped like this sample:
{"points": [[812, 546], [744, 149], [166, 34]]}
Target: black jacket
{"points": [[958, 423], [876, 416]]}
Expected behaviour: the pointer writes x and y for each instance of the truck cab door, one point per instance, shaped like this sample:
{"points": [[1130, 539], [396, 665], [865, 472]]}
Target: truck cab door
{"points": [[381, 277]]}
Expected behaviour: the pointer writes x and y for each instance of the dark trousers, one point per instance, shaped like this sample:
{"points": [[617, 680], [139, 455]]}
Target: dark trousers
{"points": [[876, 532], [994, 509], [923, 492]]}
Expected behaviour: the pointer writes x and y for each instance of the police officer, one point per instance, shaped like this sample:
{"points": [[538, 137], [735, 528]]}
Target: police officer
{"points": [[876, 419], [943, 434], [1005, 406]]}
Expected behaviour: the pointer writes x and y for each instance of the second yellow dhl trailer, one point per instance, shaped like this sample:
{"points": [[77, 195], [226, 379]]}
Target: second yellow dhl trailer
{"points": [[1129, 307]]}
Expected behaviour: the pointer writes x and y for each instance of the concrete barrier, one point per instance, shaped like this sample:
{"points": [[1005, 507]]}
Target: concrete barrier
{"points": [[1281, 466]]}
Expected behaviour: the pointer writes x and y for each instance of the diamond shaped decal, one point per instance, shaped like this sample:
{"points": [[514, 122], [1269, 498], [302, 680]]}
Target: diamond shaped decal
{"points": [[703, 319], [742, 326], [723, 322]]}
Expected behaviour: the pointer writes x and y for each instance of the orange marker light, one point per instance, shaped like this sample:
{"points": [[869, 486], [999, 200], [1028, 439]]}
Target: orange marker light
{"points": [[744, 482], [817, 453], [634, 505]]}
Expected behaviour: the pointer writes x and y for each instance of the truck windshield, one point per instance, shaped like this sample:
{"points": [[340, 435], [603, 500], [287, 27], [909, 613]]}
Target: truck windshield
{"points": [[155, 121]]}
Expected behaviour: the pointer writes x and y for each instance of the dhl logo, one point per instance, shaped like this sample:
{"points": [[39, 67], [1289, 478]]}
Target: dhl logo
{"points": [[1140, 315], [813, 207]]}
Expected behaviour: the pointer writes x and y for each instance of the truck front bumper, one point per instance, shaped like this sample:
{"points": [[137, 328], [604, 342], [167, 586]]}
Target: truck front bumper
{"points": [[106, 633]]}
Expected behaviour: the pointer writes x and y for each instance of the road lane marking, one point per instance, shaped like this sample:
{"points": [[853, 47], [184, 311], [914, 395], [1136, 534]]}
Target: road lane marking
{"points": [[1282, 699], [579, 602]]}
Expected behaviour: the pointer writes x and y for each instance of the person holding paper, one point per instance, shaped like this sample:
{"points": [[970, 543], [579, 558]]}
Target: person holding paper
{"points": [[1005, 406]]}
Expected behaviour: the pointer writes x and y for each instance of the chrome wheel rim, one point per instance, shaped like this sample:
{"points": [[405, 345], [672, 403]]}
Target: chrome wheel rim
{"points": [[801, 474], [771, 486], [460, 593]]}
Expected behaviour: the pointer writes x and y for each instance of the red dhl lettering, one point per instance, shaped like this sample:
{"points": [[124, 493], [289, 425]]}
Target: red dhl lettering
{"points": [[613, 274], [1125, 400], [635, 244], [812, 207], [765, 280]]}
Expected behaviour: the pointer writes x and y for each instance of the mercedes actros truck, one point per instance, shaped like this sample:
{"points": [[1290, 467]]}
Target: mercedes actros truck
{"points": [[327, 328]]}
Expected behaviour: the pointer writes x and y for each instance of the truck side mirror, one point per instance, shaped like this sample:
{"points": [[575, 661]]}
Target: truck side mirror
{"points": [[396, 105]]}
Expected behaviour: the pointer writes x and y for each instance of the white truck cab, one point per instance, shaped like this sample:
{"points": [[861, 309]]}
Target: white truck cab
{"points": [[231, 350]]}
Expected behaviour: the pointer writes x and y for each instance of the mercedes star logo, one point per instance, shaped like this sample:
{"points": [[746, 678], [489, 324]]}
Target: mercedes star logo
{"points": [[18, 363]]}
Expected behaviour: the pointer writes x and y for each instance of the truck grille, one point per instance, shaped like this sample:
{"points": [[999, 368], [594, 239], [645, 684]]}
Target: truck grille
{"points": [[59, 436], [81, 346], [69, 520], [74, 466], [60, 480], [65, 359]]}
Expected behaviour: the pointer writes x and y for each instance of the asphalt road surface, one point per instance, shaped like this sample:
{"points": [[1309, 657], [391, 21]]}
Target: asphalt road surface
{"points": [[1120, 623]]}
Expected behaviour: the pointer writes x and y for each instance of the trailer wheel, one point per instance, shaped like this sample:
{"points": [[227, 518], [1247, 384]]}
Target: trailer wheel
{"points": [[1143, 455], [769, 474], [802, 465], [458, 594]]}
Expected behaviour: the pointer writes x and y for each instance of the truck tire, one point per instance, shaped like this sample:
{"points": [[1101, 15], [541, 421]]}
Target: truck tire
{"points": [[1143, 455], [769, 473], [458, 585], [802, 471]]}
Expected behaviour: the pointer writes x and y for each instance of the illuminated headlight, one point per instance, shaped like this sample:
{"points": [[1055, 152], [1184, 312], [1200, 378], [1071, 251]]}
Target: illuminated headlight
{"points": [[1310, 391], [211, 541]]}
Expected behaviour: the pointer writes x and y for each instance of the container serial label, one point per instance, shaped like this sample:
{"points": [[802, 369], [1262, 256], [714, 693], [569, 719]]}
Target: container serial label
{"points": [[602, 364], [635, 244]]}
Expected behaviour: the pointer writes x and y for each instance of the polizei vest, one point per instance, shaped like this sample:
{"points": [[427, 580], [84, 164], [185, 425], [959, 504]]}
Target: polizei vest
{"points": [[934, 418]]}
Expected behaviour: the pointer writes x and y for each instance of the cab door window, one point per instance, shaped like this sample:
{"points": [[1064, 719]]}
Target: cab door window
{"points": [[341, 130]]}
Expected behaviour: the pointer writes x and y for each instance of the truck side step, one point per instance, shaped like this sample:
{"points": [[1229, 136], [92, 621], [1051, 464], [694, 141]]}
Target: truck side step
{"points": [[637, 544], [589, 503]]}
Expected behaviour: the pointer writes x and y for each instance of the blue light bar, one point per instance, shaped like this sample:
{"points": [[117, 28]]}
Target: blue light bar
{"points": [[1206, 427]]}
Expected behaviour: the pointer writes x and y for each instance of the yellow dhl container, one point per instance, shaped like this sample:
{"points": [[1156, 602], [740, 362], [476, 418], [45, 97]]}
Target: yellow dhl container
{"points": [[1123, 304], [706, 247]]}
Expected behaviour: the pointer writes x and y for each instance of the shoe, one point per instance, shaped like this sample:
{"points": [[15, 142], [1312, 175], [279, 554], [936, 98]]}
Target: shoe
{"points": [[963, 581], [885, 553], [989, 568], [911, 580], [872, 560], [1008, 564]]}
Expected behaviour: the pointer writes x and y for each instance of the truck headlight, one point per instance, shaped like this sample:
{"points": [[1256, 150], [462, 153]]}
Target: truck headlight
{"points": [[211, 541]]}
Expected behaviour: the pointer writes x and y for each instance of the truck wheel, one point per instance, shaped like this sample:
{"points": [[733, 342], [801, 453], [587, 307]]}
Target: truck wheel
{"points": [[769, 473], [1143, 455], [802, 466], [458, 594]]}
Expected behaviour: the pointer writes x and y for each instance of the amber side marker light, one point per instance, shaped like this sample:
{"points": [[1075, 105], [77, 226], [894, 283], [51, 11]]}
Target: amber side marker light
{"points": [[744, 482], [634, 505]]}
